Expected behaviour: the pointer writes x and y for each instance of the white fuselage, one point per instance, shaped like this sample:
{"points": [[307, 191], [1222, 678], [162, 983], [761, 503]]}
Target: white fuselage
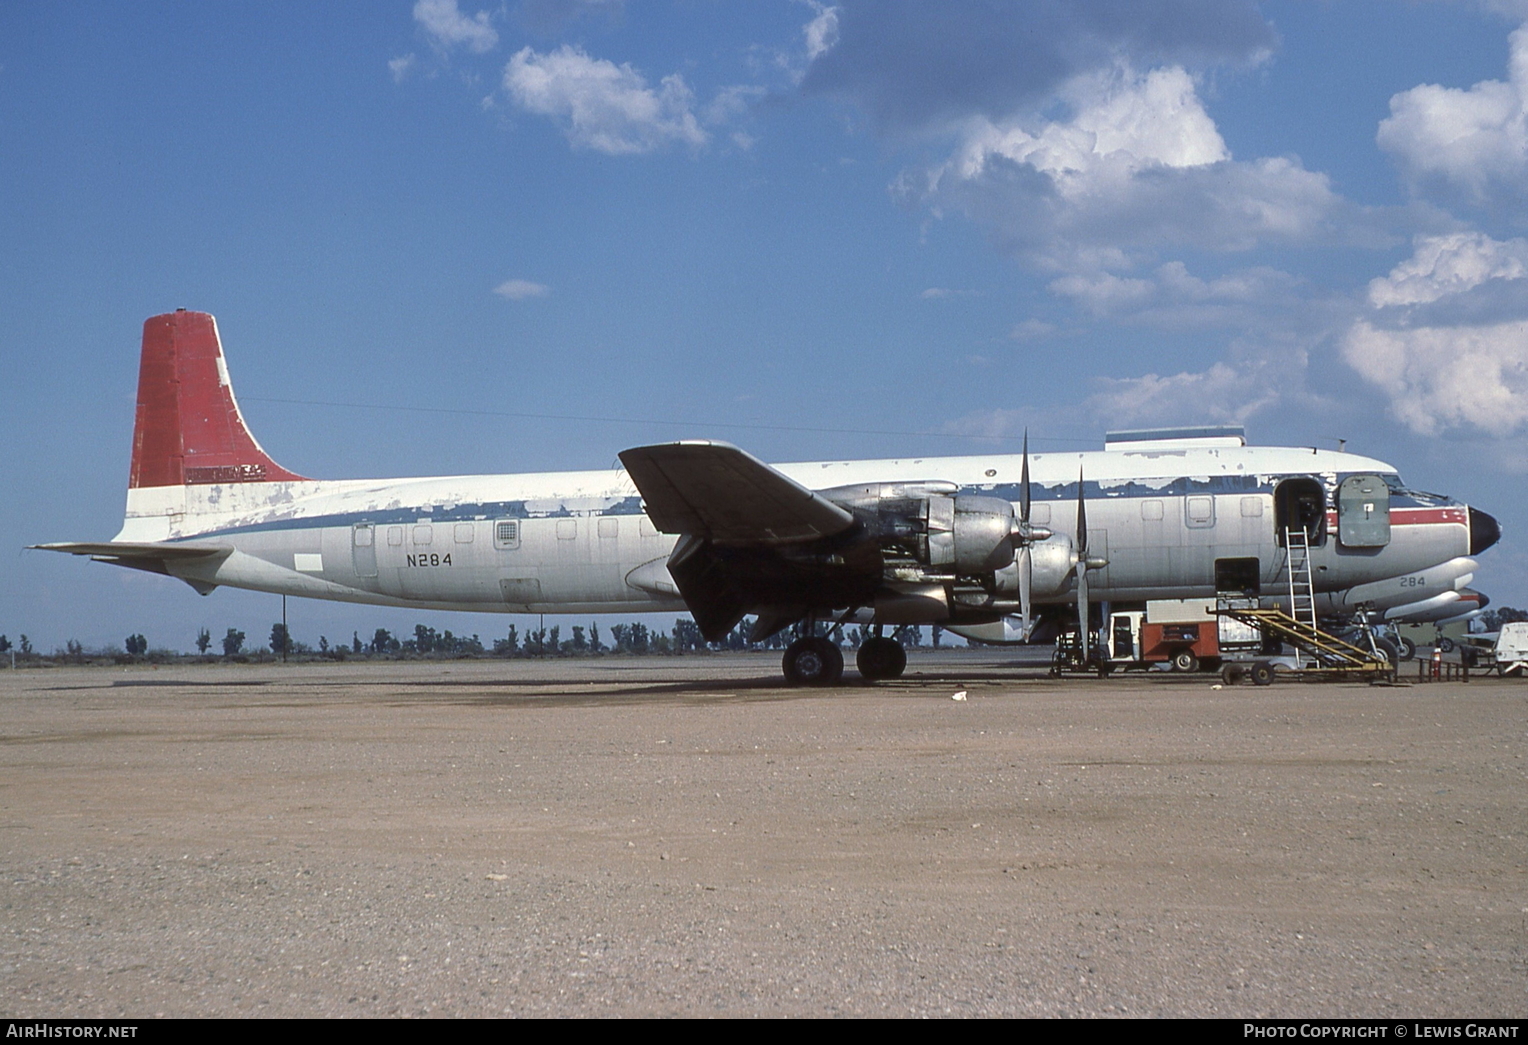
{"points": [[580, 541]]}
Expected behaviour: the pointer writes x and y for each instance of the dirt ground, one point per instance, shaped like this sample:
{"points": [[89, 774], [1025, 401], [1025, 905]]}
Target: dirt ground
{"points": [[684, 836]]}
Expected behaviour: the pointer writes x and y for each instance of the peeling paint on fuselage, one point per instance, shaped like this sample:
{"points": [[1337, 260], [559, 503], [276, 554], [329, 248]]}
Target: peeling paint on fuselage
{"points": [[571, 561]]}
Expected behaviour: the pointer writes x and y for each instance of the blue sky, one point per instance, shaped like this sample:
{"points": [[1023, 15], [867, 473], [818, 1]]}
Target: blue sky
{"points": [[814, 230]]}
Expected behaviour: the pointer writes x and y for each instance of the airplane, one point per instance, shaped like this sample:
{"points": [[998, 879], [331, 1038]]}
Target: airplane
{"points": [[994, 548]]}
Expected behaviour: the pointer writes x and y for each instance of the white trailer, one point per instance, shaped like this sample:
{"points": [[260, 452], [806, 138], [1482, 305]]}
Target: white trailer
{"points": [[1512, 648]]}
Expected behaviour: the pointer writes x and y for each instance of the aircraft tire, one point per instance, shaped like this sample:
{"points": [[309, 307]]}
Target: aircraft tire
{"points": [[1445, 644], [1184, 660], [1407, 647], [880, 658], [813, 661], [1389, 650], [1232, 674], [1262, 673]]}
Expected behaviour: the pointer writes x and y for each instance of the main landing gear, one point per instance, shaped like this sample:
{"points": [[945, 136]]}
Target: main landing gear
{"points": [[880, 658], [813, 661]]}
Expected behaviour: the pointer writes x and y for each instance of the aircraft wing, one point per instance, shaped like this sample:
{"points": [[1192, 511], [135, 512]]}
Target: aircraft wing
{"points": [[717, 492]]}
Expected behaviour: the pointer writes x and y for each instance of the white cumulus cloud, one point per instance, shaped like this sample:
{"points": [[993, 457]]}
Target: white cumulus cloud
{"points": [[1171, 297], [1137, 166], [400, 67], [1225, 393], [1474, 140], [446, 26], [603, 106], [1122, 122], [1441, 266], [520, 289], [821, 32], [1447, 377], [1446, 335]]}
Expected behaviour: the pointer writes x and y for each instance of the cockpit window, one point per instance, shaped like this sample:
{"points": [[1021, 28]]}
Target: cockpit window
{"points": [[1399, 488]]}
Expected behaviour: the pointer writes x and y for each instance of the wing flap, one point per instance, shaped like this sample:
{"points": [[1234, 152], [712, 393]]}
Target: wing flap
{"points": [[719, 493]]}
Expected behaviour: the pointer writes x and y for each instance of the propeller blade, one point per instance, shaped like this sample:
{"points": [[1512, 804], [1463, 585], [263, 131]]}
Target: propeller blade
{"points": [[1082, 521], [1026, 578], [1082, 605], [1024, 482]]}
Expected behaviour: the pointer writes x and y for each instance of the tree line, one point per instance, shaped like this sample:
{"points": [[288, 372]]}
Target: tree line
{"points": [[632, 639]]}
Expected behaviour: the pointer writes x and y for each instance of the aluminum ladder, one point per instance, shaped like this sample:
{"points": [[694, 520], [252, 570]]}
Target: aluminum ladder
{"points": [[1302, 588]]}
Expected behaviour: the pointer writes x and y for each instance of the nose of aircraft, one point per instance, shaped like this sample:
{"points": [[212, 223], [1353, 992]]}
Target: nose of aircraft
{"points": [[1484, 531]]}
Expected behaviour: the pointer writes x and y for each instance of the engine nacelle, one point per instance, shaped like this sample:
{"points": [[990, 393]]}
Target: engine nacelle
{"points": [[1050, 570], [965, 534], [934, 526], [970, 533]]}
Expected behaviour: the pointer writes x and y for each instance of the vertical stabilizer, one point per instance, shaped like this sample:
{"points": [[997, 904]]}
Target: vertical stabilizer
{"points": [[189, 430]]}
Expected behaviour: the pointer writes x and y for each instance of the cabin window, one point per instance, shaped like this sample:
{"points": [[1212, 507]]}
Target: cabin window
{"points": [[1299, 503], [567, 529], [1252, 507], [646, 528], [394, 536], [1363, 512], [424, 533], [1151, 510], [1039, 514], [1200, 512], [506, 533], [610, 527]]}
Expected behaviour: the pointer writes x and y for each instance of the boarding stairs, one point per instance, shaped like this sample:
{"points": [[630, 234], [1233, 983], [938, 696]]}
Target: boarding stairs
{"points": [[1324, 652], [1319, 652]]}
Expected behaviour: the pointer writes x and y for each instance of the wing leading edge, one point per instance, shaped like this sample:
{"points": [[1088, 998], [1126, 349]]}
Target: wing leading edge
{"points": [[718, 493]]}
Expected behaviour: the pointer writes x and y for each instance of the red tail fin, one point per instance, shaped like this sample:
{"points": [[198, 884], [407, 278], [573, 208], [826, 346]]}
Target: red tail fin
{"points": [[189, 428]]}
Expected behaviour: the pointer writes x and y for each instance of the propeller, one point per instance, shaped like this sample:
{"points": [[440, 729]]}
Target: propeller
{"points": [[1084, 564], [1026, 561], [1024, 534]]}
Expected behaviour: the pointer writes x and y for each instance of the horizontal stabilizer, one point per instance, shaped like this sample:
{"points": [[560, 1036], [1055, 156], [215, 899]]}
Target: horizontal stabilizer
{"points": [[132, 550], [149, 556], [719, 493]]}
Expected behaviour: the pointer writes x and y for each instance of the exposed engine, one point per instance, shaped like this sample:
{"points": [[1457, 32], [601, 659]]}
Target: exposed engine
{"points": [[947, 555]]}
